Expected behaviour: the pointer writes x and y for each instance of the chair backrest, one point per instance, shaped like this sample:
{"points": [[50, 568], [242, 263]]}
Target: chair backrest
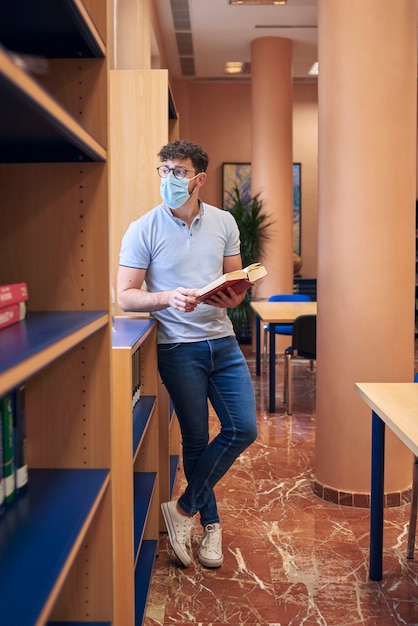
{"points": [[290, 297], [304, 336], [305, 285]]}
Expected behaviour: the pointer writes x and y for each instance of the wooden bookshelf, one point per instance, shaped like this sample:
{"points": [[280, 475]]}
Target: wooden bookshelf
{"points": [[135, 462], [55, 237], [33, 552], [139, 109], [144, 118]]}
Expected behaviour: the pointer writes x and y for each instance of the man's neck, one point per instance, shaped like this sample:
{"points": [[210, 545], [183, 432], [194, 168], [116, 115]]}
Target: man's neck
{"points": [[188, 211]]}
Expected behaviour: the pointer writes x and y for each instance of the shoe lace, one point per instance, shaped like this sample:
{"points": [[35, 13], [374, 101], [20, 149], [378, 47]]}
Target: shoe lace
{"points": [[185, 530], [211, 540]]}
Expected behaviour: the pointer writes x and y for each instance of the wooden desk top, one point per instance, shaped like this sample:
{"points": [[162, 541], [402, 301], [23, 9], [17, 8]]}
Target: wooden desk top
{"points": [[282, 312], [397, 405]]}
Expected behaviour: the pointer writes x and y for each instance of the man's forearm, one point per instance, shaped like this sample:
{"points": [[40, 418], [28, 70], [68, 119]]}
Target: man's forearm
{"points": [[139, 300]]}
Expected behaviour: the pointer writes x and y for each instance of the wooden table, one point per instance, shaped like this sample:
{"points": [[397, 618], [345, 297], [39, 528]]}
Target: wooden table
{"points": [[274, 313], [394, 405]]}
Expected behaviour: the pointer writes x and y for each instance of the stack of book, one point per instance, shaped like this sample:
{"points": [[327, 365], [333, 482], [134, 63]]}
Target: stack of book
{"points": [[13, 303], [13, 463]]}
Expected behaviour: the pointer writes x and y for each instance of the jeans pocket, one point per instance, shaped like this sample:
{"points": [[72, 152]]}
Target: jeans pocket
{"points": [[167, 347]]}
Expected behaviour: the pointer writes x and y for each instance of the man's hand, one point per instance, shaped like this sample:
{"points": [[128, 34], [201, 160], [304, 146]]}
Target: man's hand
{"points": [[183, 299], [227, 299]]}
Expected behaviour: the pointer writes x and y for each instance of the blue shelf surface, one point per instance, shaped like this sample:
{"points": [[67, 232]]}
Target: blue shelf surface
{"points": [[37, 533], [141, 417], [31, 133], [50, 29], [129, 330], [174, 463], [143, 573], [38, 332], [144, 484]]}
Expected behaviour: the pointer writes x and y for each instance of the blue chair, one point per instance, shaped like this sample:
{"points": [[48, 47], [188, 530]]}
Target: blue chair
{"points": [[282, 329]]}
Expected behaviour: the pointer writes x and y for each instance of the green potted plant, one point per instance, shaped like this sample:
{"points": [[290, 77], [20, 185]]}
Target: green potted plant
{"points": [[252, 224]]}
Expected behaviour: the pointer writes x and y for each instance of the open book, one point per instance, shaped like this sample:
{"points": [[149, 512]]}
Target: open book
{"points": [[239, 280]]}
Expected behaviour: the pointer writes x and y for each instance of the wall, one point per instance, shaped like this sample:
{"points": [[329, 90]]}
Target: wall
{"points": [[217, 116], [305, 151]]}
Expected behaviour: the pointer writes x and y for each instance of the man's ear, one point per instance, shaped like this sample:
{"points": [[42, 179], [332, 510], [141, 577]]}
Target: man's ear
{"points": [[201, 179]]}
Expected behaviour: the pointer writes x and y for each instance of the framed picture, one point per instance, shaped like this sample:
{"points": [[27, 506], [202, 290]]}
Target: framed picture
{"points": [[239, 174], [235, 175]]}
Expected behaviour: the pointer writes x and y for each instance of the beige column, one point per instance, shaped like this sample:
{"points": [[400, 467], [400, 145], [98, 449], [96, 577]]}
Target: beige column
{"points": [[271, 155], [366, 247], [131, 36]]}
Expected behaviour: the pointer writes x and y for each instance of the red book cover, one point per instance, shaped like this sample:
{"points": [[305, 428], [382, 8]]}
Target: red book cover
{"points": [[237, 284], [13, 293], [238, 280], [12, 314]]}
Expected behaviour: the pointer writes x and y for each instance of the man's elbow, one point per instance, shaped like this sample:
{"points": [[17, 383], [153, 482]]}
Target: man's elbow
{"points": [[124, 308], [123, 303]]}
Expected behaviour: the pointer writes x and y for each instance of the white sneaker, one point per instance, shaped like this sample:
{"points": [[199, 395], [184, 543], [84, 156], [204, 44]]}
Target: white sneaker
{"points": [[179, 528], [210, 551]]}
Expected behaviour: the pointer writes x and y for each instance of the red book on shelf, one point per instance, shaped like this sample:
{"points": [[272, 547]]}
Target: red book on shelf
{"points": [[12, 314], [13, 293]]}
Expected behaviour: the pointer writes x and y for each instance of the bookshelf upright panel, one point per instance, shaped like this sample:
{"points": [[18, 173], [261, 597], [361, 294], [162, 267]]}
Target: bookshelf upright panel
{"points": [[144, 118], [135, 463], [139, 111]]}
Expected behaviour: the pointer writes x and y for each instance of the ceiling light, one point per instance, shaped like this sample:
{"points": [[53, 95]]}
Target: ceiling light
{"points": [[270, 2], [314, 69], [233, 67], [237, 67]]}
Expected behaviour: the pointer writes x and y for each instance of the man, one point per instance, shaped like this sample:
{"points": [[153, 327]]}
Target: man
{"points": [[176, 248]]}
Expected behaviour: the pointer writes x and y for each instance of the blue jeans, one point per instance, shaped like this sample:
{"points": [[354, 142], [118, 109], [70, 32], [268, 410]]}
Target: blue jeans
{"points": [[193, 373]]}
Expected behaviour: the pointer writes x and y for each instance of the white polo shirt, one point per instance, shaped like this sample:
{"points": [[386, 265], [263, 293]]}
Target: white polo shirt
{"points": [[175, 256]]}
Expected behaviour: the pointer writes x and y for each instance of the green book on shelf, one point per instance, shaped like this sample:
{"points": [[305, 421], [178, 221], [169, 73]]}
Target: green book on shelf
{"points": [[19, 425], [8, 449]]}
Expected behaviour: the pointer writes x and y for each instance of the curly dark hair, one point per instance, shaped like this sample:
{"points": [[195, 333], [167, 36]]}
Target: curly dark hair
{"points": [[185, 149]]}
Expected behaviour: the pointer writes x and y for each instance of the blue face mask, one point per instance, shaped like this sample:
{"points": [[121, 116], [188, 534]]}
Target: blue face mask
{"points": [[175, 191]]}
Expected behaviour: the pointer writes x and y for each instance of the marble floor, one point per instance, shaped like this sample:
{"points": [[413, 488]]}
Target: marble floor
{"points": [[290, 557]]}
